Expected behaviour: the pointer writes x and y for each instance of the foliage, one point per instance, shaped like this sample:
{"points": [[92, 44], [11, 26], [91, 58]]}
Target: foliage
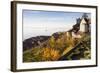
{"points": [[50, 54], [53, 49]]}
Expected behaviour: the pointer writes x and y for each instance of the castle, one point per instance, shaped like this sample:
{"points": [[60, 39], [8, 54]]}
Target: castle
{"points": [[82, 26]]}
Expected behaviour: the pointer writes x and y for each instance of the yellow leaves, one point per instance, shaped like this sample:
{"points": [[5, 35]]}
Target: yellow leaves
{"points": [[70, 41], [55, 54], [54, 49], [46, 53], [52, 42], [50, 54]]}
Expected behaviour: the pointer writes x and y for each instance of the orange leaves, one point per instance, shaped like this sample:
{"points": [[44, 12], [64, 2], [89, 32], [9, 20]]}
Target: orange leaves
{"points": [[55, 54], [52, 42], [54, 48], [50, 54]]}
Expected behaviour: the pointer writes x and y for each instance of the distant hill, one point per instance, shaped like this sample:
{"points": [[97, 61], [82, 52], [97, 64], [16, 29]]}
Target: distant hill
{"points": [[34, 41]]}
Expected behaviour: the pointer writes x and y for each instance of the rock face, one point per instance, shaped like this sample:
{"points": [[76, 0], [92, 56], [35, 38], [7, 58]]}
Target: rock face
{"points": [[33, 42]]}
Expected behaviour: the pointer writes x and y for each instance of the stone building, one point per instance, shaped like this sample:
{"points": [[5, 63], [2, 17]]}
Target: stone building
{"points": [[82, 26], [85, 24]]}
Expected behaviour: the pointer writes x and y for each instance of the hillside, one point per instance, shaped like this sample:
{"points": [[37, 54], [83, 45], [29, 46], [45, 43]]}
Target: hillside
{"points": [[33, 42], [58, 46], [80, 51]]}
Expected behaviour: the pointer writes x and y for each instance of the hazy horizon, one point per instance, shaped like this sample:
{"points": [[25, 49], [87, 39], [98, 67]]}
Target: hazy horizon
{"points": [[36, 23]]}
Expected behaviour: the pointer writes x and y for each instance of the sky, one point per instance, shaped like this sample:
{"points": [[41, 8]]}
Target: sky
{"points": [[36, 23]]}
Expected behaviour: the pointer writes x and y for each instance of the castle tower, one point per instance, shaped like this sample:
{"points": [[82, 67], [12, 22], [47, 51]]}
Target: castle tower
{"points": [[84, 26]]}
